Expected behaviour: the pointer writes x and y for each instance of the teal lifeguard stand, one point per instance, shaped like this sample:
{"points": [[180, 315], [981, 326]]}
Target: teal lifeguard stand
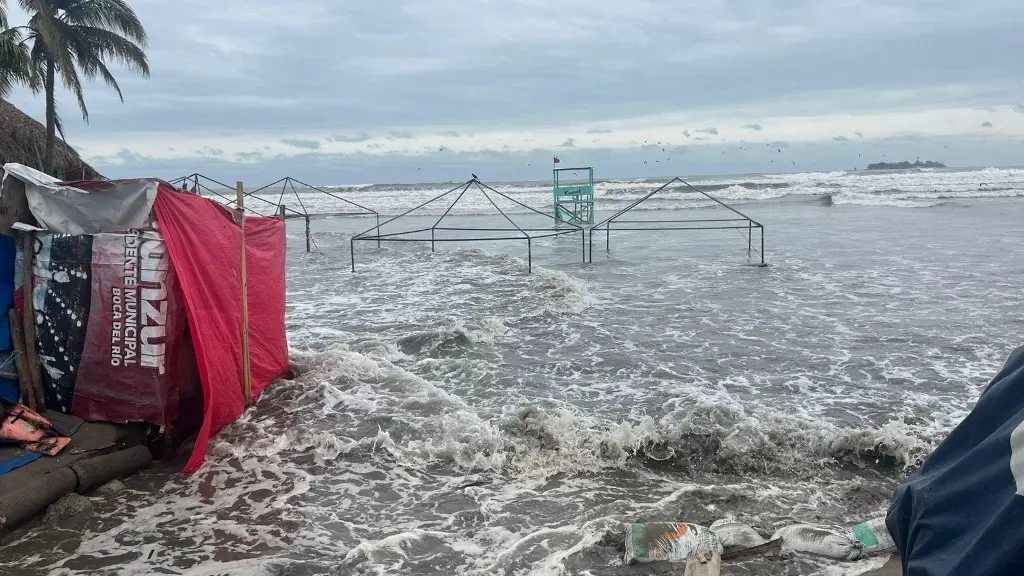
{"points": [[574, 195]]}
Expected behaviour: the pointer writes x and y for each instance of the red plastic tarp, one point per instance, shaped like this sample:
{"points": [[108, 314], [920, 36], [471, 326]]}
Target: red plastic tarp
{"points": [[204, 242]]}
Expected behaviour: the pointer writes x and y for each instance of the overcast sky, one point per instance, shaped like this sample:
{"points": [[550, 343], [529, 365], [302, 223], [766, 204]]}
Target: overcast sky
{"points": [[397, 91]]}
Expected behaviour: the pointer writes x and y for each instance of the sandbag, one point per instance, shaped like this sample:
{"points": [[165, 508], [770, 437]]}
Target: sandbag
{"points": [[94, 472], [735, 535], [837, 543], [667, 541], [20, 505]]}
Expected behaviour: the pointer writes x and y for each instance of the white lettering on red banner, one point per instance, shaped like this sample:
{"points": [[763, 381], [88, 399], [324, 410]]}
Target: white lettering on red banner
{"points": [[138, 335]]}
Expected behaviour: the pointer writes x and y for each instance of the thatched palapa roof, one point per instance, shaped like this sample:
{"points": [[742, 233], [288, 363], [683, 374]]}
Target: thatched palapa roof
{"points": [[23, 140]]}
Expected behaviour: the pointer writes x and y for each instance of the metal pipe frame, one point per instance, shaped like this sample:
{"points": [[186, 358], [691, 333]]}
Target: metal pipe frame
{"points": [[642, 225], [529, 234]]}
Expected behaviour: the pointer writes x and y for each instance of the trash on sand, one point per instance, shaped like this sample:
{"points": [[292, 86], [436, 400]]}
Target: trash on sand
{"points": [[667, 541], [874, 536], [836, 543], [735, 535]]}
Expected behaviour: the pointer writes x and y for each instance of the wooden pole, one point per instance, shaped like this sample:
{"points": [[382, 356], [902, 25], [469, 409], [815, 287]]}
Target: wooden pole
{"points": [[280, 212], [28, 392], [246, 372], [29, 321], [307, 233]]}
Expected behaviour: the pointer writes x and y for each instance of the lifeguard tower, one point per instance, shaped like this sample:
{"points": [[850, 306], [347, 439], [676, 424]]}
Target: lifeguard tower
{"points": [[574, 195]]}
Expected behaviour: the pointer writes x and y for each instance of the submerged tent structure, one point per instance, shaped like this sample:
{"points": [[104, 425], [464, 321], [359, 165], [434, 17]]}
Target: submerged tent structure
{"points": [[962, 511], [136, 295]]}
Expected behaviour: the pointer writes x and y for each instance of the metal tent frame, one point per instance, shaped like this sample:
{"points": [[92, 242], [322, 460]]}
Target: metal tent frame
{"points": [[516, 232], [749, 224], [202, 185]]}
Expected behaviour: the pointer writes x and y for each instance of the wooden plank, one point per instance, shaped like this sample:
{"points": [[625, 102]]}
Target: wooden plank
{"points": [[28, 393], [29, 320], [246, 372]]}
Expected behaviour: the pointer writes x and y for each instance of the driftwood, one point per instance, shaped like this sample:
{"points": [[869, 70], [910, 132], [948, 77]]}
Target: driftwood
{"points": [[703, 561]]}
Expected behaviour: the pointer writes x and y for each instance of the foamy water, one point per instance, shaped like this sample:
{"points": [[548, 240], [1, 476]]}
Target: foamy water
{"points": [[458, 415], [910, 188]]}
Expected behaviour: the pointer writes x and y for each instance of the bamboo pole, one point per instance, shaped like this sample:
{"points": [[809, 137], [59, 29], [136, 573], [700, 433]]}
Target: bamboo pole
{"points": [[29, 321], [246, 372], [28, 392]]}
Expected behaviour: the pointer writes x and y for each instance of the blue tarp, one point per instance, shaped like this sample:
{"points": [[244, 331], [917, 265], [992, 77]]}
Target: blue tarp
{"points": [[963, 511], [9, 389]]}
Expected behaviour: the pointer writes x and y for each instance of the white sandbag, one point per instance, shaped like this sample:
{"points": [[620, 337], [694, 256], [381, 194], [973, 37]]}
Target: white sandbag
{"points": [[873, 536], [667, 541], [834, 543], [735, 535]]}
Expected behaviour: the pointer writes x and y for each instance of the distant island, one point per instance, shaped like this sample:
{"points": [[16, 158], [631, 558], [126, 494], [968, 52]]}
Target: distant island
{"points": [[905, 165]]}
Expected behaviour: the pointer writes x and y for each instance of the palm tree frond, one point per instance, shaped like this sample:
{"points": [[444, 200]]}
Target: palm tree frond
{"points": [[114, 15], [15, 62], [106, 45]]}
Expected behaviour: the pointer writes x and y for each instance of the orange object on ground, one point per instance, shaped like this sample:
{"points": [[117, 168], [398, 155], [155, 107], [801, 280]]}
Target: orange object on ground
{"points": [[30, 430]]}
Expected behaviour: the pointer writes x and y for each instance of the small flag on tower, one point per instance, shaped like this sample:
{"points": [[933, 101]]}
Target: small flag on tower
{"points": [[557, 160]]}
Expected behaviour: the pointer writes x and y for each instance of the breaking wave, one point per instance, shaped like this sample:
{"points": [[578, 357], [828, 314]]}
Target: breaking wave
{"points": [[896, 189], [712, 435]]}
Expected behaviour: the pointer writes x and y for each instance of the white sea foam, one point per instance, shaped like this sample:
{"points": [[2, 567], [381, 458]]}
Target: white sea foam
{"points": [[869, 188]]}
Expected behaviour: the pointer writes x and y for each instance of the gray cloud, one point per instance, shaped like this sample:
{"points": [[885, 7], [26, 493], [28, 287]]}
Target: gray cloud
{"points": [[360, 70], [596, 131], [299, 143], [686, 133], [712, 131], [401, 134], [569, 143], [359, 137], [449, 133], [986, 124], [839, 138], [249, 156], [207, 151], [754, 127], [984, 109]]}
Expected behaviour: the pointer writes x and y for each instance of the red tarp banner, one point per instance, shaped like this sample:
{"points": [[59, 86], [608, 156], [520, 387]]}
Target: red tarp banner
{"points": [[110, 326], [205, 243]]}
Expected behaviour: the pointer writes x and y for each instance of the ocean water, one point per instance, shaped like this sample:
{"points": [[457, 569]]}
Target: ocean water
{"points": [[458, 415]]}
